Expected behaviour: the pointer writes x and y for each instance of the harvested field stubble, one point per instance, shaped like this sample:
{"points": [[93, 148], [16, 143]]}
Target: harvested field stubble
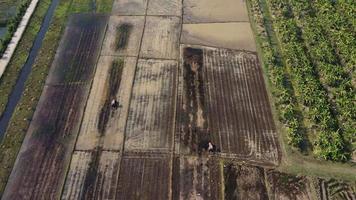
{"points": [[92, 175], [129, 7], [164, 7], [73, 188], [115, 120], [161, 37], [50, 139], [151, 115], [222, 98]]}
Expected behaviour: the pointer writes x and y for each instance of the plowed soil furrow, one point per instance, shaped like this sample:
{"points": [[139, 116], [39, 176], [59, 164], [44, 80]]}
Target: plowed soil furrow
{"points": [[73, 187], [41, 165], [102, 182], [49, 137], [144, 177], [284, 186], [196, 178], [333, 189], [236, 113], [150, 117]]}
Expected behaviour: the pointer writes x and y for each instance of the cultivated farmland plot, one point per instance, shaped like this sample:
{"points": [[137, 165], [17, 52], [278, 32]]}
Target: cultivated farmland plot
{"points": [[235, 35], [243, 182], [151, 115], [144, 177], [284, 186], [197, 178], [78, 50], [333, 189], [208, 11], [44, 156], [123, 36], [161, 38], [129, 7], [103, 125], [74, 184], [222, 98], [164, 7], [92, 176]]}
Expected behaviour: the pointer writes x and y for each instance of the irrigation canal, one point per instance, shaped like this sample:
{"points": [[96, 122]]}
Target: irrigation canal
{"points": [[26, 70]]}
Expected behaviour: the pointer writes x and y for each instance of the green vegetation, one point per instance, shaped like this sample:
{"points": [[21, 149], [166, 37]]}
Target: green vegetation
{"points": [[282, 89], [334, 75], [21, 53], [320, 86], [12, 25], [104, 6], [100, 6], [307, 78], [293, 161]]}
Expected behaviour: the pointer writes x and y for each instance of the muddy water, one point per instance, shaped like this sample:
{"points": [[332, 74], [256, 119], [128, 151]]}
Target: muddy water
{"points": [[26, 69]]}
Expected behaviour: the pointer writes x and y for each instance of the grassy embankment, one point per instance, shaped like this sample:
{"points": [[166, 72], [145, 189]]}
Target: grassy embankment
{"points": [[21, 53], [293, 161], [24, 111]]}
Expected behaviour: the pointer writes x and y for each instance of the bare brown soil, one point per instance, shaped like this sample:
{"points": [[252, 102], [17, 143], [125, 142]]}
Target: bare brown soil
{"points": [[41, 164], [197, 178], [151, 114], [113, 84], [78, 51], [243, 182], [129, 7], [112, 138], [333, 189], [232, 35], [92, 175], [151, 146], [161, 37], [285, 186], [164, 7], [144, 177], [194, 129], [206, 11], [223, 99], [74, 184], [44, 157]]}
